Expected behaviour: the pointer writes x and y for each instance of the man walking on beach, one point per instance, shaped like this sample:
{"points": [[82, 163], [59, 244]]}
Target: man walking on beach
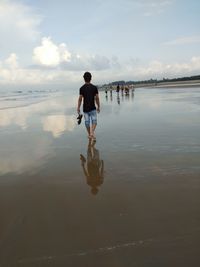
{"points": [[89, 94]]}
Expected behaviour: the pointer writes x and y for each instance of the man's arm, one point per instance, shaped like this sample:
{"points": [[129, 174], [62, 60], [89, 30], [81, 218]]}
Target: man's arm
{"points": [[83, 163], [102, 168], [97, 102], [79, 103]]}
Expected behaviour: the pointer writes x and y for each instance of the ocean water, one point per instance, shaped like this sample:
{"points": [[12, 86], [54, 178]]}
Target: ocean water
{"points": [[130, 199]]}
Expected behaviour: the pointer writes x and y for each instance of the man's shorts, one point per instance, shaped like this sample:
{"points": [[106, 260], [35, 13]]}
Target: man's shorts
{"points": [[90, 116]]}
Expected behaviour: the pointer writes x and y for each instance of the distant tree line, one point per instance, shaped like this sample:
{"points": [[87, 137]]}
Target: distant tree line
{"points": [[155, 81]]}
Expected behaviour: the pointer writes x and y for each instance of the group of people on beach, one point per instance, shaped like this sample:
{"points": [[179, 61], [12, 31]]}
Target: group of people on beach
{"points": [[125, 89], [120, 97]]}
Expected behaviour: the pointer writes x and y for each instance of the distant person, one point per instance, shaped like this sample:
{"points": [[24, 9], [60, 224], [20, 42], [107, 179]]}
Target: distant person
{"points": [[132, 94], [111, 97], [106, 94], [93, 167], [118, 88], [89, 94], [127, 90]]}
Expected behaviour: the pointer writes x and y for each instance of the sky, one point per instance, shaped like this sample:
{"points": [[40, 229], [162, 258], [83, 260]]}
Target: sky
{"points": [[55, 42]]}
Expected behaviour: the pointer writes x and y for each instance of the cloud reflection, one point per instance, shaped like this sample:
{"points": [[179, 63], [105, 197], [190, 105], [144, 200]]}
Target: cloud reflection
{"points": [[21, 115], [14, 116], [17, 158], [57, 124], [29, 148]]}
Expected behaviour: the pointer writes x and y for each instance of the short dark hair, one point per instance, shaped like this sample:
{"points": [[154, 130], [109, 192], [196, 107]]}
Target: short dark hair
{"points": [[87, 76]]}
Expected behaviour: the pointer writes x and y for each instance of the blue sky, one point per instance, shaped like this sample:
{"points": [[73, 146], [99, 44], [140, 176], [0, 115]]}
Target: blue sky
{"points": [[56, 41]]}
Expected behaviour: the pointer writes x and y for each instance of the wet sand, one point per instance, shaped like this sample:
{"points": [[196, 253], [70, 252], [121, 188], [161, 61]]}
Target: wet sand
{"points": [[131, 199]]}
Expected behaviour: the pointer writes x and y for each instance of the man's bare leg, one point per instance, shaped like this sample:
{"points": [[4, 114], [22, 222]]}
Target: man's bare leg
{"points": [[93, 127], [88, 130]]}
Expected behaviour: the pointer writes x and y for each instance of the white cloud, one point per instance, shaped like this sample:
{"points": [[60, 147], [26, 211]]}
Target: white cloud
{"points": [[155, 69], [104, 70], [154, 3], [152, 7], [11, 72], [87, 62], [49, 54], [18, 25], [159, 69], [12, 61], [184, 40]]}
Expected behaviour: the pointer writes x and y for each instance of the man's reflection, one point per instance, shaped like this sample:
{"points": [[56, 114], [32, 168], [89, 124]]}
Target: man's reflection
{"points": [[132, 94], [93, 167], [106, 91], [118, 99], [111, 97], [127, 96]]}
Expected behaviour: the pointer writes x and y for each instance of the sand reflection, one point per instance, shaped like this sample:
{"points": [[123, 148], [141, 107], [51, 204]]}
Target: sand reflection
{"points": [[93, 167]]}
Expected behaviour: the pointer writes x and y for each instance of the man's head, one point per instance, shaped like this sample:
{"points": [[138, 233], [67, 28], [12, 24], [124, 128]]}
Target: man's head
{"points": [[87, 77], [94, 190]]}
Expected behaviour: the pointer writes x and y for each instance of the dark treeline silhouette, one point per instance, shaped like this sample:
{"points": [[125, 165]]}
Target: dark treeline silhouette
{"points": [[155, 81]]}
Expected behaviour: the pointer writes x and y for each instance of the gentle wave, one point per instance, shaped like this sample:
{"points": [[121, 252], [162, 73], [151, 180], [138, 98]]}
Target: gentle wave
{"points": [[14, 99]]}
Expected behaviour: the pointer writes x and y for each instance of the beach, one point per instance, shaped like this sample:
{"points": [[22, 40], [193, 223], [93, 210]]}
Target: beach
{"points": [[140, 208]]}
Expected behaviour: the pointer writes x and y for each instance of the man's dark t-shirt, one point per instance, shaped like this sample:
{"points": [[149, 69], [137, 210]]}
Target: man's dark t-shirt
{"points": [[88, 91]]}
